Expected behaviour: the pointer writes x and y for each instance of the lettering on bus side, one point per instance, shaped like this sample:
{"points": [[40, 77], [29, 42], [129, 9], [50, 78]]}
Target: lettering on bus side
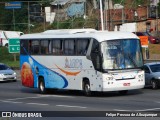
{"points": [[73, 63]]}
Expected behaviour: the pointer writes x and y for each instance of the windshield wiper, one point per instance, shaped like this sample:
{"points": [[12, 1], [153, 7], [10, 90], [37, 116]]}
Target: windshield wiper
{"points": [[131, 59]]}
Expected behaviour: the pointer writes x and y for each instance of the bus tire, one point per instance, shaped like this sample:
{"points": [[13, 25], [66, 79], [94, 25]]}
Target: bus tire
{"points": [[86, 88], [123, 92], [41, 86]]}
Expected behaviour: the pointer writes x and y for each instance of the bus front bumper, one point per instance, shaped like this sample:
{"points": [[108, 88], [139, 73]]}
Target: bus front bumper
{"points": [[125, 85]]}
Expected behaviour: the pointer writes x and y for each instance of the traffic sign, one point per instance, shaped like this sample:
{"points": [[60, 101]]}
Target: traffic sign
{"points": [[13, 5], [144, 41], [14, 45], [14, 41], [14, 49]]}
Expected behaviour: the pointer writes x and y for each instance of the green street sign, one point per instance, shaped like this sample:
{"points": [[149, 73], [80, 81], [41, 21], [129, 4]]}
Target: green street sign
{"points": [[14, 42], [14, 45], [14, 49]]}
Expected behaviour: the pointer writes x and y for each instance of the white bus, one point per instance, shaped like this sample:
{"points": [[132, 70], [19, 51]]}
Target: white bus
{"points": [[82, 59]]}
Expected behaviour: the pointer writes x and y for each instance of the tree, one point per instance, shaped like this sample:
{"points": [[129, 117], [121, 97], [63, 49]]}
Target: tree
{"points": [[46, 2], [9, 17]]}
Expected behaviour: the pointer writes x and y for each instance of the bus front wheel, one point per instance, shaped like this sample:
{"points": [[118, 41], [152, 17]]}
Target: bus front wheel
{"points": [[42, 88], [86, 89]]}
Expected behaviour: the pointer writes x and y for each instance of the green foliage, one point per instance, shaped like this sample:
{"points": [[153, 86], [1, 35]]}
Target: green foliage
{"points": [[61, 25], [159, 9], [8, 58], [73, 23], [117, 1], [21, 17], [46, 2], [10, 16]]}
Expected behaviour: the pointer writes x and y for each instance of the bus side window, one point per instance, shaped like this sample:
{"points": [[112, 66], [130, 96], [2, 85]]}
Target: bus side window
{"points": [[82, 46], [57, 47], [69, 47], [44, 47], [30, 47], [35, 47]]}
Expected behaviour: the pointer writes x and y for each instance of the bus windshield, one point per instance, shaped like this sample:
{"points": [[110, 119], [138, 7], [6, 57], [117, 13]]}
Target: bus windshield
{"points": [[121, 54]]}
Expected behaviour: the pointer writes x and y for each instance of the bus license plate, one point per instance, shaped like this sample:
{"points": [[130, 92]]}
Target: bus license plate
{"points": [[126, 84]]}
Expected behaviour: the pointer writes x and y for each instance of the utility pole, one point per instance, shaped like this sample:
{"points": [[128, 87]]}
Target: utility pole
{"points": [[13, 19], [157, 18], [105, 15], [29, 30], [109, 18], [101, 12], [123, 12]]}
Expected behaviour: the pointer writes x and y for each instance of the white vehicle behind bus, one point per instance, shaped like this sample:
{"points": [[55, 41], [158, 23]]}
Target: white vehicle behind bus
{"points": [[6, 35], [82, 59]]}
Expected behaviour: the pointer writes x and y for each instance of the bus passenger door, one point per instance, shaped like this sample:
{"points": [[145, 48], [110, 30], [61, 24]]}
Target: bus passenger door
{"points": [[95, 56], [96, 60]]}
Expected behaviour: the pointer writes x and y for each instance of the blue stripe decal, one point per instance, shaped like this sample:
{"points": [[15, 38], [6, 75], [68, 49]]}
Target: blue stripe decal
{"points": [[52, 78]]}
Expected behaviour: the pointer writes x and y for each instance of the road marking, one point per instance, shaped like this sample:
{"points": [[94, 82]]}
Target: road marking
{"points": [[138, 110], [9, 101], [23, 98], [40, 96], [22, 102], [56, 96], [36, 104], [70, 106]]}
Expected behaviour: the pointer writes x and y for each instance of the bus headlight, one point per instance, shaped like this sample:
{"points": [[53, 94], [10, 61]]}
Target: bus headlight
{"points": [[140, 76], [109, 78]]}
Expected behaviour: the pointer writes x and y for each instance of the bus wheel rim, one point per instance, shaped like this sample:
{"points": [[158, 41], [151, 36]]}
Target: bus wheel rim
{"points": [[87, 88], [41, 86]]}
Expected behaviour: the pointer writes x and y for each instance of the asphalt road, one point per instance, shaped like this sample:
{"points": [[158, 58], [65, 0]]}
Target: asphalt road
{"points": [[16, 98]]}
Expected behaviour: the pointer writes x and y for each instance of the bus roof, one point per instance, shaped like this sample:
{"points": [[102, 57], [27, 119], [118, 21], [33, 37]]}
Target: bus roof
{"points": [[81, 33]]}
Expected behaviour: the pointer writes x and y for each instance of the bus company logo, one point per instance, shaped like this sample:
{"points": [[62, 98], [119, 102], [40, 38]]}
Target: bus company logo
{"points": [[73, 63]]}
